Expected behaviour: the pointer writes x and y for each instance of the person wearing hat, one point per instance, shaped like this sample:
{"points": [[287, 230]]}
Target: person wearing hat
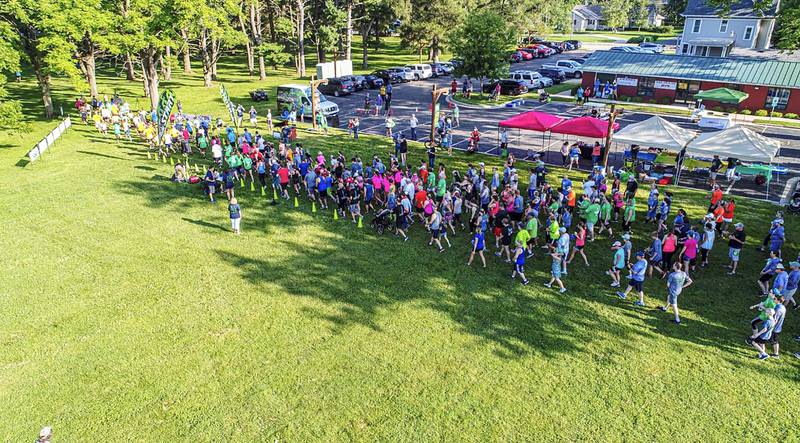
{"points": [[627, 246], [768, 271], [781, 279], [777, 237], [778, 220], [735, 242], [706, 242], [519, 261], [792, 283], [677, 281], [762, 335], [617, 263], [638, 269]]}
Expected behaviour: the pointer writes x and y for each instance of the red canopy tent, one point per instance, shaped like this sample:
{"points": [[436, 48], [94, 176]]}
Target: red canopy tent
{"points": [[532, 121], [583, 126]]}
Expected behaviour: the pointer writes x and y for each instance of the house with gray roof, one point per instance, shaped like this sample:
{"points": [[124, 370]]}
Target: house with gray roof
{"points": [[713, 32], [588, 18]]}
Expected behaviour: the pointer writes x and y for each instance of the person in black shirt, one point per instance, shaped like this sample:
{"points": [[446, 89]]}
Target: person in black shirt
{"points": [[341, 198], [631, 187], [735, 242], [716, 165]]}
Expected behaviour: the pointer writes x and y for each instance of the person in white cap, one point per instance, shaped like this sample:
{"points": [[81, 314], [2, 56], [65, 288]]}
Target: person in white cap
{"points": [[45, 435], [618, 263], [761, 336]]}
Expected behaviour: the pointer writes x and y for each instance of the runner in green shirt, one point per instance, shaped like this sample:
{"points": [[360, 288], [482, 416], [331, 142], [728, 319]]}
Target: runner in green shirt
{"points": [[629, 216], [441, 188], [247, 162], [592, 213], [605, 217], [532, 227]]}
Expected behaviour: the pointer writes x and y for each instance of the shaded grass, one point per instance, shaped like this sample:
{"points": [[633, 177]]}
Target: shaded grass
{"points": [[130, 310], [149, 316]]}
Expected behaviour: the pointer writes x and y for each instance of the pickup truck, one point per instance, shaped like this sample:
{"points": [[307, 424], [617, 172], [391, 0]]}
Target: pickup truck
{"points": [[571, 68]]}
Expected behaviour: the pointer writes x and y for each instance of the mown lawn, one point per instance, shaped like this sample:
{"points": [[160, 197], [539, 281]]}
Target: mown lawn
{"points": [[130, 312]]}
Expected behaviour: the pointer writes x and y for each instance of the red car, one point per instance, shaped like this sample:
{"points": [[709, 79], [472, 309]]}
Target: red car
{"points": [[525, 54], [541, 51]]}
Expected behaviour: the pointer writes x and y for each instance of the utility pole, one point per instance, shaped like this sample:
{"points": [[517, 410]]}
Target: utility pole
{"points": [[314, 84], [611, 117], [435, 94]]}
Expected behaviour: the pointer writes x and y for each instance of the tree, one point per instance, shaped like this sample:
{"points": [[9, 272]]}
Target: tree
{"points": [[209, 26], [273, 53], [616, 13], [373, 17], [638, 13], [787, 35], [431, 20], [36, 29], [90, 30], [672, 12], [10, 110], [483, 41]]}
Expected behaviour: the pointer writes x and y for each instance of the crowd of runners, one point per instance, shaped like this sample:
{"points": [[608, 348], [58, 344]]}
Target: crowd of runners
{"points": [[551, 218]]}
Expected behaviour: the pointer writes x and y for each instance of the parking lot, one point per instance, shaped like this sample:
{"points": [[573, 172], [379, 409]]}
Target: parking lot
{"points": [[415, 97]]}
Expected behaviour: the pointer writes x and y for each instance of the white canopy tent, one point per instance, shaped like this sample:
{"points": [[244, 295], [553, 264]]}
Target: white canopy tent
{"points": [[655, 132], [737, 142]]}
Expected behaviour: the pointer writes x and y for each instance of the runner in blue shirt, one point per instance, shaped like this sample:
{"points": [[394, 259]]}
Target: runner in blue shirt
{"points": [[792, 283], [780, 316], [768, 272], [478, 245], [519, 264], [761, 336], [638, 269]]}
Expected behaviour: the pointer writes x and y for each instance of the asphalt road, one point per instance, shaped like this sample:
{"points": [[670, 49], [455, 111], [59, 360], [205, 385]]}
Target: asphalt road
{"points": [[415, 97]]}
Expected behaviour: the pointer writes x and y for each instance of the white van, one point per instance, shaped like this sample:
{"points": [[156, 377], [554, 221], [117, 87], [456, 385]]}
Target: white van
{"points": [[421, 71], [532, 79], [301, 95]]}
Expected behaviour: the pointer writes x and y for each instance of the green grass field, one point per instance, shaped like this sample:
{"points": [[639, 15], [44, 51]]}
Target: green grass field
{"points": [[130, 312], [610, 36]]}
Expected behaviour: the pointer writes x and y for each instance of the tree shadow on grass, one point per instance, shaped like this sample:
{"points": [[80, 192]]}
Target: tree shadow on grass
{"points": [[360, 277], [204, 224]]}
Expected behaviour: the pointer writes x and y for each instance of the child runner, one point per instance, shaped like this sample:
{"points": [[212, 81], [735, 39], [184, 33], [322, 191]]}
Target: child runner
{"points": [[580, 242], [617, 263], [519, 262], [676, 283], [236, 215], [555, 270], [638, 269], [767, 272], [761, 336], [478, 245]]}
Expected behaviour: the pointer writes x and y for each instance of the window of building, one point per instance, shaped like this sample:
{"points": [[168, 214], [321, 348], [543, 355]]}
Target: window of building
{"points": [[696, 25], [702, 51], [748, 33], [723, 26], [647, 87], [685, 48], [783, 98]]}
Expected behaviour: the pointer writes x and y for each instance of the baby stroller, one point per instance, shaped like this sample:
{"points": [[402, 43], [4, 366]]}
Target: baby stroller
{"points": [[381, 221], [794, 204]]}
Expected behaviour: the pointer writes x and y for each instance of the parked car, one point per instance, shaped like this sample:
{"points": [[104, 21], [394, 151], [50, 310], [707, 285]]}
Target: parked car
{"points": [[421, 71], [440, 70], [579, 61], [507, 87], [404, 73], [358, 81], [570, 68], [655, 47], [576, 43], [541, 50], [557, 75], [515, 57], [525, 53], [553, 45], [259, 95], [532, 79], [388, 76], [293, 94], [623, 49], [448, 67], [337, 86], [373, 81]]}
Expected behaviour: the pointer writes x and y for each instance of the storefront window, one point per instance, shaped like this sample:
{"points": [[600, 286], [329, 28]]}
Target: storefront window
{"points": [[783, 98], [647, 87]]}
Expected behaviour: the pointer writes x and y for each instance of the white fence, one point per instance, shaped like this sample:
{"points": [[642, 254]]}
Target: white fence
{"points": [[48, 141]]}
